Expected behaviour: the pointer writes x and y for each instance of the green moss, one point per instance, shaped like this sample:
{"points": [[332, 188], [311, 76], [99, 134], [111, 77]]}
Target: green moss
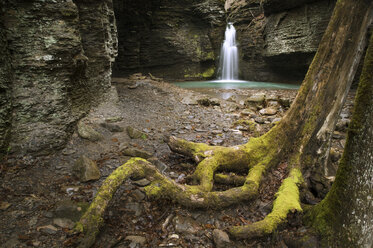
{"points": [[154, 190], [287, 199], [206, 74], [209, 72]]}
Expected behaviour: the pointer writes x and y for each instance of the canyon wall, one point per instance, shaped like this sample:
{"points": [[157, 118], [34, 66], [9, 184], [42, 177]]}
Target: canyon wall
{"points": [[56, 61], [278, 39], [172, 39]]}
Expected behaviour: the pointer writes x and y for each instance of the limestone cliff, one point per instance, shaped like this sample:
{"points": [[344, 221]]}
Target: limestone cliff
{"points": [[278, 39], [55, 61], [172, 39]]}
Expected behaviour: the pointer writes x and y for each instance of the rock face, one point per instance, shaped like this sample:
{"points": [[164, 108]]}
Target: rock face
{"points": [[170, 39], [55, 61], [278, 39]]}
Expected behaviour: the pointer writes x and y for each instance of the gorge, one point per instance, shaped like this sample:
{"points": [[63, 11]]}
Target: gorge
{"points": [[89, 107]]}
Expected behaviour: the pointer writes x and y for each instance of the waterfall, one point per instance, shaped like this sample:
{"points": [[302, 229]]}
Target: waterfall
{"points": [[229, 55]]}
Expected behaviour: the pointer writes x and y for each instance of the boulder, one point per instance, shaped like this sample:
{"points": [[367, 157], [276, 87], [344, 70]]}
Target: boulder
{"points": [[86, 169]]}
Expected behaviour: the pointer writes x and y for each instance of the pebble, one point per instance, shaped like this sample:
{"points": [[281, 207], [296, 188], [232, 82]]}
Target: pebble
{"points": [[49, 229]]}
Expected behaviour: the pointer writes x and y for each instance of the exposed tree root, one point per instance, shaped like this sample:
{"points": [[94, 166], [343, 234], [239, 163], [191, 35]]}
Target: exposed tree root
{"points": [[211, 160], [287, 200]]}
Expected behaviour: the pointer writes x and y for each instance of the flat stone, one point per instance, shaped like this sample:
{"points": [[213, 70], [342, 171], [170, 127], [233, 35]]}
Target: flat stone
{"points": [[49, 229], [87, 132], [247, 112], [86, 169], [142, 182], [112, 127], [268, 111], [134, 133], [63, 223], [134, 152], [221, 238]]}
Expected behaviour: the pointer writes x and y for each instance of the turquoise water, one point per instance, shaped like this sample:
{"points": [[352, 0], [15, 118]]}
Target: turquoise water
{"points": [[235, 84]]}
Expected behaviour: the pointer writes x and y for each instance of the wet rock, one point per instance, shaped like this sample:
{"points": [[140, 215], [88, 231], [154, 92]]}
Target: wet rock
{"points": [[86, 169], [49, 229], [268, 111], [87, 132], [64, 223], [221, 239], [135, 133], [136, 241], [112, 127], [134, 152], [142, 182], [185, 225]]}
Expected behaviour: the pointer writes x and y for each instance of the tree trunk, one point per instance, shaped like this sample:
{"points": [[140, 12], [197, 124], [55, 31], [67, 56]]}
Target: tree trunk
{"points": [[345, 216]]}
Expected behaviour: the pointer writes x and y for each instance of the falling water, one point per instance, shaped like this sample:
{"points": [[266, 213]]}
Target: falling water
{"points": [[229, 55]]}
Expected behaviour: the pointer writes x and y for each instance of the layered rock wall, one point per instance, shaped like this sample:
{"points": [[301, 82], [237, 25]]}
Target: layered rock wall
{"points": [[278, 39], [57, 62], [172, 39]]}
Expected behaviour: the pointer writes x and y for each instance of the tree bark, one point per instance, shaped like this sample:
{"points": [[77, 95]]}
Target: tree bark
{"points": [[345, 216]]}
